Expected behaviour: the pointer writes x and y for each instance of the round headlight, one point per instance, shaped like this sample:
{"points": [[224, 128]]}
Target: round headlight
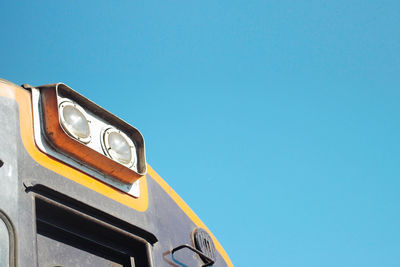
{"points": [[119, 147], [74, 121]]}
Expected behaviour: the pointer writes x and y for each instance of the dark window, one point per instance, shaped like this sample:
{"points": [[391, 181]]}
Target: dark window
{"points": [[67, 238]]}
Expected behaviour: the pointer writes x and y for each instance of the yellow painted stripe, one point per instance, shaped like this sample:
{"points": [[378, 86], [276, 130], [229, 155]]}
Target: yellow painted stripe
{"points": [[189, 212]]}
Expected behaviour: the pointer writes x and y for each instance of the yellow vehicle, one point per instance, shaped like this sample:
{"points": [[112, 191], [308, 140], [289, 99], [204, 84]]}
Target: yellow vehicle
{"points": [[75, 189]]}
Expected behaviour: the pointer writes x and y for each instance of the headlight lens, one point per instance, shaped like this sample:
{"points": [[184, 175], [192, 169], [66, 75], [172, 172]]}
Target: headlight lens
{"points": [[119, 146], [74, 121]]}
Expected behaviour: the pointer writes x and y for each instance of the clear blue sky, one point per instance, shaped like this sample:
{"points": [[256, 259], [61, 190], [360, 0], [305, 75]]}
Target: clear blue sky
{"points": [[276, 121]]}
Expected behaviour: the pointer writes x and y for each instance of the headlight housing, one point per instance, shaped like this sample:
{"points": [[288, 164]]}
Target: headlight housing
{"points": [[92, 136]]}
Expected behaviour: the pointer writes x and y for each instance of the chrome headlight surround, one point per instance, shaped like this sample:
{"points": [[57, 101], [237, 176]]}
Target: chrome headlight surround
{"points": [[87, 152]]}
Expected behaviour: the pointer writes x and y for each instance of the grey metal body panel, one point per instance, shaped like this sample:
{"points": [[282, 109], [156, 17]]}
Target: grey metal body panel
{"points": [[163, 225]]}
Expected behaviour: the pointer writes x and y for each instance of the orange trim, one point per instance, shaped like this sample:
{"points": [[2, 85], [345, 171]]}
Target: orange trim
{"points": [[189, 212], [23, 99]]}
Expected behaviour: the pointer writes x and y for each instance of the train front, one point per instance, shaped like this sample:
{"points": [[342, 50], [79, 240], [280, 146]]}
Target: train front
{"points": [[75, 189]]}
